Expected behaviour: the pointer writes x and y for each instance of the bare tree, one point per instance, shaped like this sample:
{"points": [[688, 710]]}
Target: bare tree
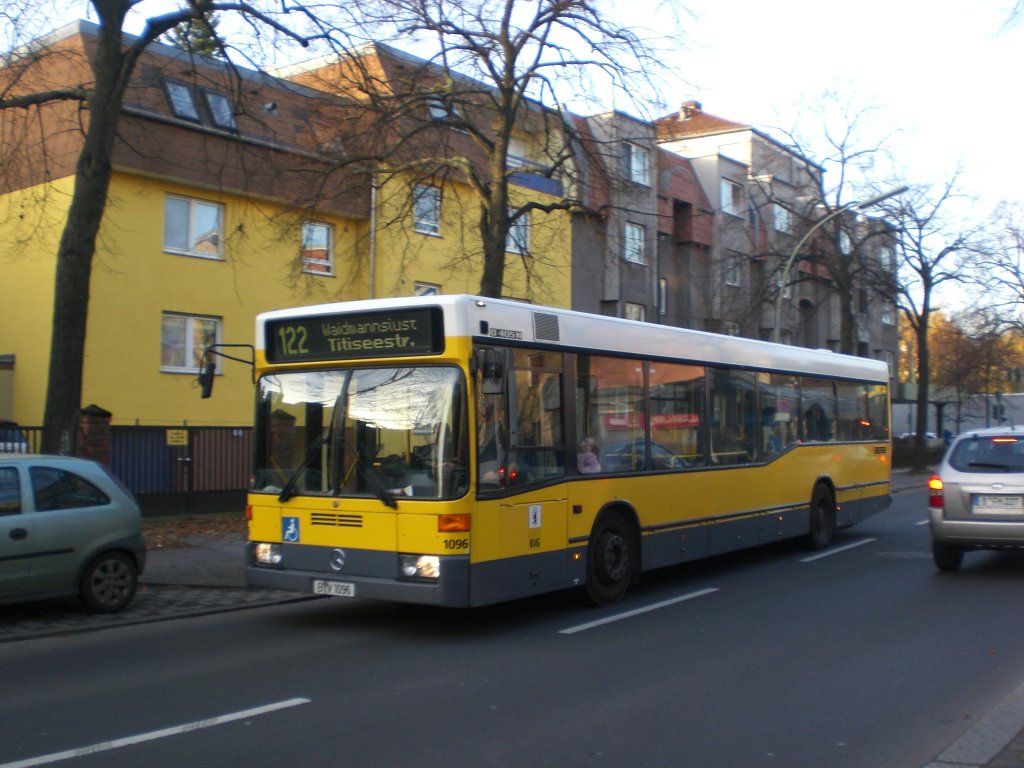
{"points": [[836, 137], [1001, 266], [497, 69], [934, 249], [112, 64], [972, 351]]}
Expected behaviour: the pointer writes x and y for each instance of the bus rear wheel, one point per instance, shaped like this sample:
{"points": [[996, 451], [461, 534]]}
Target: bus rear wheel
{"points": [[823, 518], [610, 560]]}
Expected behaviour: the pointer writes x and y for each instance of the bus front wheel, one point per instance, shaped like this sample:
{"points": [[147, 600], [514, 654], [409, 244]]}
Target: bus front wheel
{"points": [[823, 518], [610, 560]]}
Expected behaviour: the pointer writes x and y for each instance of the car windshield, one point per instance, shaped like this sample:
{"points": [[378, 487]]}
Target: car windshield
{"points": [[989, 453], [382, 432]]}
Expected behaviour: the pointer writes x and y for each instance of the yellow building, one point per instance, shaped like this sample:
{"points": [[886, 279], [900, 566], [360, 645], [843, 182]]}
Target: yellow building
{"points": [[231, 195]]}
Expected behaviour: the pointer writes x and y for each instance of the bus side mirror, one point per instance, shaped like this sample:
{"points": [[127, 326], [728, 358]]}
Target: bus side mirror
{"points": [[491, 364], [206, 379]]}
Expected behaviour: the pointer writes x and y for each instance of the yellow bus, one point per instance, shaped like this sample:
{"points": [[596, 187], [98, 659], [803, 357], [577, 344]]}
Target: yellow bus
{"points": [[462, 451]]}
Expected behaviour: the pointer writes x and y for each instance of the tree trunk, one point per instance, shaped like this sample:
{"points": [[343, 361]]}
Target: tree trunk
{"points": [[920, 450], [78, 244]]}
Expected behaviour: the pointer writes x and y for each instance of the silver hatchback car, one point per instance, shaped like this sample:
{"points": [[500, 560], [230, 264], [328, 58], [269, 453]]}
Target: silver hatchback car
{"points": [[976, 499], [67, 527]]}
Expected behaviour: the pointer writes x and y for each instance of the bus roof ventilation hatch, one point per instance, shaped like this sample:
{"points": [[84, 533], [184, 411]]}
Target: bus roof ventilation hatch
{"points": [[545, 326]]}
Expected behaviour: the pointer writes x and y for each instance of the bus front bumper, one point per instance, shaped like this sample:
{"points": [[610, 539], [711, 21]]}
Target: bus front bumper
{"points": [[364, 575]]}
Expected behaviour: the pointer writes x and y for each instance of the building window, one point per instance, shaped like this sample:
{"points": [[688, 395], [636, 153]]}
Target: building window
{"points": [[427, 209], [783, 219], [518, 238], [437, 108], [317, 248], [182, 103], [731, 269], [634, 247], [634, 311], [845, 243], [516, 155], [887, 314], [193, 227], [441, 108], [885, 258], [220, 110], [732, 198], [183, 339], [636, 162], [425, 289], [662, 296]]}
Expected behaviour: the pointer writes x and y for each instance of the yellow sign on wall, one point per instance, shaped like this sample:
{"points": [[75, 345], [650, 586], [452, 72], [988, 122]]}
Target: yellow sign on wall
{"points": [[177, 437]]}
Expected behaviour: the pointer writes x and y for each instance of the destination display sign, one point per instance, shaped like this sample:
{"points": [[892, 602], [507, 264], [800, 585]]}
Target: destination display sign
{"points": [[349, 336]]}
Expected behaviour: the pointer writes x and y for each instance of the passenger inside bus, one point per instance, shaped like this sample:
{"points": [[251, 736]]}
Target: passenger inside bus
{"points": [[586, 458]]}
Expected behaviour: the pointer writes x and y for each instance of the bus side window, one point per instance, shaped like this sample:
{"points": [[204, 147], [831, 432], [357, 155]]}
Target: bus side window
{"points": [[537, 449], [733, 420], [818, 404], [610, 407]]}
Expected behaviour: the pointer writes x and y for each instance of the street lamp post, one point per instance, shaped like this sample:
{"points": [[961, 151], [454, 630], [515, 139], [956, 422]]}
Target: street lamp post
{"points": [[817, 225]]}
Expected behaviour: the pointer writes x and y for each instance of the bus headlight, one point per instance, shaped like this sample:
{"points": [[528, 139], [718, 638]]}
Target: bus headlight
{"points": [[267, 554], [420, 566]]}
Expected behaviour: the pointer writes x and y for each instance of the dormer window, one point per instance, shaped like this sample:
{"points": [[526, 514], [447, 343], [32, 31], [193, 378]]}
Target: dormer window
{"points": [[437, 108], [182, 103], [220, 110], [441, 108]]}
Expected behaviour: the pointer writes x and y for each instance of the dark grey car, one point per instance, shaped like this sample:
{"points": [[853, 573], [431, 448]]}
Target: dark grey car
{"points": [[976, 499], [67, 527]]}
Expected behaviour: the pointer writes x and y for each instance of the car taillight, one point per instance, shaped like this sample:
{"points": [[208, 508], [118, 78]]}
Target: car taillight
{"points": [[935, 492]]}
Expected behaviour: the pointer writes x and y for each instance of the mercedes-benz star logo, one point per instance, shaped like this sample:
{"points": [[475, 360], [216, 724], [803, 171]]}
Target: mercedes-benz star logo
{"points": [[337, 560]]}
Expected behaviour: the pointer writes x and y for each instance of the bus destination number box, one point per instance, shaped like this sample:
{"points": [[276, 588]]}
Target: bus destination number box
{"points": [[395, 333]]}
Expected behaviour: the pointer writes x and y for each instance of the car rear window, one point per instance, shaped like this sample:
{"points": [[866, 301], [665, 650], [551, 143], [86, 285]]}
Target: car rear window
{"points": [[991, 453], [60, 489]]}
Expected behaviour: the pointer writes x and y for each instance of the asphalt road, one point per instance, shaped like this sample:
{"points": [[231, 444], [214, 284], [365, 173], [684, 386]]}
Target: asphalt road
{"points": [[866, 656]]}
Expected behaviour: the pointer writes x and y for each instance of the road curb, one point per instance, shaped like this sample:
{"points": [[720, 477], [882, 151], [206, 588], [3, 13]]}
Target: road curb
{"points": [[984, 742]]}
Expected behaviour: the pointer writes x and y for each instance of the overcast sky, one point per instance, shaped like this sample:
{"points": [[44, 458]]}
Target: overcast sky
{"points": [[946, 74]]}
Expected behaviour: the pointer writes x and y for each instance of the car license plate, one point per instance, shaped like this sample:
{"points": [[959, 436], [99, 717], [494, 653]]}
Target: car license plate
{"points": [[334, 588], [999, 505]]}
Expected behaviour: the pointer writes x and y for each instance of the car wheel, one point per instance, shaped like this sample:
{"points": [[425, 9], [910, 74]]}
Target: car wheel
{"points": [[823, 518], [947, 558], [109, 582], [610, 560]]}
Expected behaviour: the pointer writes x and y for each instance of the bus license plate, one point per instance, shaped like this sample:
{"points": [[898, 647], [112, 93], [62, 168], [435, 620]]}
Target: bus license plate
{"points": [[1005, 505], [334, 588]]}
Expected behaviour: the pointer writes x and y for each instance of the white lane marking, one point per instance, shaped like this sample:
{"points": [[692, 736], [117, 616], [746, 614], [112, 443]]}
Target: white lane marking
{"points": [[628, 614], [812, 558], [105, 746], [922, 522]]}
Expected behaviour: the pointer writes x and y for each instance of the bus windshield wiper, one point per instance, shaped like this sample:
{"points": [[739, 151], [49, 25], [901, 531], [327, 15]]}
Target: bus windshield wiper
{"points": [[379, 488], [289, 488]]}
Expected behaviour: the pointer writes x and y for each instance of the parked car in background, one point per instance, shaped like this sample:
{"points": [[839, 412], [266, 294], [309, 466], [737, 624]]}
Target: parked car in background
{"points": [[12, 439], [67, 527], [976, 499], [903, 445]]}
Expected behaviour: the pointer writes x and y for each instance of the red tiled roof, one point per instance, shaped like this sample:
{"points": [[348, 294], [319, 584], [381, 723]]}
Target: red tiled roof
{"points": [[692, 120]]}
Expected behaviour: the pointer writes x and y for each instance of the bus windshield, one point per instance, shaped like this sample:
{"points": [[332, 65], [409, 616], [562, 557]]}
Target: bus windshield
{"points": [[387, 432]]}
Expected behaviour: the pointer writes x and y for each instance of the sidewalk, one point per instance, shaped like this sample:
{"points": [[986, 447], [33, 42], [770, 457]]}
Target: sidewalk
{"points": [[194, 566]]}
